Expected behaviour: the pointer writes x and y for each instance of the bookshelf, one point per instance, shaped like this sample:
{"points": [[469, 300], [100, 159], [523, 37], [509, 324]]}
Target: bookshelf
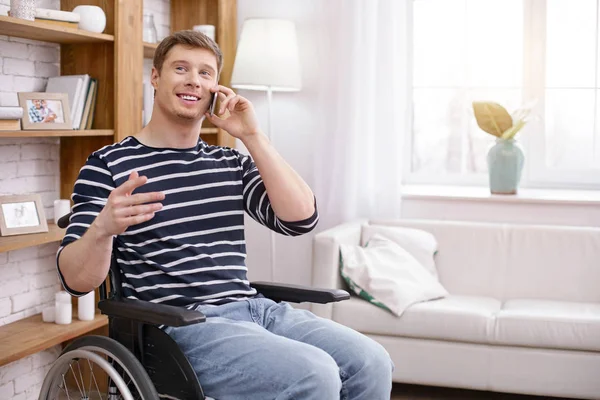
{"points": [[31, 335], [49, 33], [149, 49], [89, 132], [110, 57], [9, 243]]}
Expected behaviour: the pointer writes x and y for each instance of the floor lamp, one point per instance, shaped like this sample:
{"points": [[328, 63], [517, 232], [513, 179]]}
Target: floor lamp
{"points": [[267, 60]]}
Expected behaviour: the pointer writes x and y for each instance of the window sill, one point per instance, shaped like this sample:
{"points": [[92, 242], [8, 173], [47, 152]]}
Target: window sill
{"points": [[480, 193]]}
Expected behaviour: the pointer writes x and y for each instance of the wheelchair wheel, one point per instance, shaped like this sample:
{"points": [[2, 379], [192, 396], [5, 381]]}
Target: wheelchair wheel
{"points": [[82, 371]]}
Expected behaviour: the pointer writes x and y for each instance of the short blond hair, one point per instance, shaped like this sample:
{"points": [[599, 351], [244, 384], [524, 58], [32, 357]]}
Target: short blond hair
{"points": [[187, 38]]}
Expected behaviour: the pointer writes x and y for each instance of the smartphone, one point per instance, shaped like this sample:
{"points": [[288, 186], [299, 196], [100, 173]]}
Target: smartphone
{"points": [[213, 103]]}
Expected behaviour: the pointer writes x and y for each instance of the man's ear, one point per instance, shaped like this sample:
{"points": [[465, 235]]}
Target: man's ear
{"points": [[154, 76]]}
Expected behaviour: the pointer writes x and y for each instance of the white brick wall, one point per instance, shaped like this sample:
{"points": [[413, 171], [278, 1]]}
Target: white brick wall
{"points": [[22, 379], [28, 278]]}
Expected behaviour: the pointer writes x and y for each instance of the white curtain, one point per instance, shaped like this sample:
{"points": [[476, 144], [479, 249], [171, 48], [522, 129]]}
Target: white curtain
{"points": [[363, 95]]}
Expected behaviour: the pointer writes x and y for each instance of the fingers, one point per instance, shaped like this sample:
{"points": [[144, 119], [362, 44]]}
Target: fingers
{"points": [[229, 103], [134, 182], [138, 219], [141, 198], [232, 103], [223, 89], [126, 212]]}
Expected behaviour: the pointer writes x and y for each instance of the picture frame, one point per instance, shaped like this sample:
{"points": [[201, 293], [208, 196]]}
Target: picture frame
{"points": [[22, 214], [45, 111]]}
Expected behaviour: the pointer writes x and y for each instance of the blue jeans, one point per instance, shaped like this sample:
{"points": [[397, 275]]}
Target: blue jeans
{"points": [[260, 349]]}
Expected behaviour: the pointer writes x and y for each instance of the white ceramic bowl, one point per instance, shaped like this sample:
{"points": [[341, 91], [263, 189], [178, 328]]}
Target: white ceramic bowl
{"points": [[92, 19]]}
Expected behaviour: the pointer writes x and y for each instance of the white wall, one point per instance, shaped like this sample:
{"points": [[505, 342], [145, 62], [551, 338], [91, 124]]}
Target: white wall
{"points": [[28, 276], [294, 126]]}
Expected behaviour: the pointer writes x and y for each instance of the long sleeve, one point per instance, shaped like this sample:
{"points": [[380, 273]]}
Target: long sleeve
{"points": [[258, 206]]}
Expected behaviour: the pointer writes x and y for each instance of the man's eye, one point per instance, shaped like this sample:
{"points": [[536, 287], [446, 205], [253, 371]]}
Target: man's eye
{"points": [[205, 73], [180, 69]]}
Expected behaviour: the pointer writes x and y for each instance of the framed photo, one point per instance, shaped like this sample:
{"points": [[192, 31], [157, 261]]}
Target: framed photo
{"points": [[45, 111], [22, 214]]}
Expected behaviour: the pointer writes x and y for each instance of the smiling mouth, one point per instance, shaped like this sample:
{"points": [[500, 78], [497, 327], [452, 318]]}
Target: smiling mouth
{"points": [[188, 97]]}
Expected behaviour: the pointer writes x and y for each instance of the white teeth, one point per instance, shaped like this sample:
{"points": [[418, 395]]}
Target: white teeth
{"points": [[185, 97]]}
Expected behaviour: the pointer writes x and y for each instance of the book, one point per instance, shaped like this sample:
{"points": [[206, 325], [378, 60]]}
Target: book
{"points": [[88, 104], [57, 15], [7, 112], [76, 87], [10, 124], [66, 24], [92, 111]]}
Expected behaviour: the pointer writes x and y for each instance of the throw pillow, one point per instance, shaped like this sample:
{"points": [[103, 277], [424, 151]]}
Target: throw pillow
{"points": [[421, 244], [387, 275]]}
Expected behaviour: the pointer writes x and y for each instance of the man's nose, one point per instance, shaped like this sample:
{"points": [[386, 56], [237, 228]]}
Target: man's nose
{"points": [[193, 80]]}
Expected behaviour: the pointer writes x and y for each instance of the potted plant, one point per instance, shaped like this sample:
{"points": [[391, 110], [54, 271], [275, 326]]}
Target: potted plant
{"points": [[505, 158]]}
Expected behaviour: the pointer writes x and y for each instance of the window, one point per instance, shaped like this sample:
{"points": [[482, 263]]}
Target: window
{"points": [[510, 52]]}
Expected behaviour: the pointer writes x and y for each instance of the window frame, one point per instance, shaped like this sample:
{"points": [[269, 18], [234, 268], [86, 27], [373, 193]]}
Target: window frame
{"points": [[535, 173]]}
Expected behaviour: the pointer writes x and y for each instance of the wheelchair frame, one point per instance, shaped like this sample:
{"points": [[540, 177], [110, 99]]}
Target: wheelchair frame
{"points": [[135, 325]]}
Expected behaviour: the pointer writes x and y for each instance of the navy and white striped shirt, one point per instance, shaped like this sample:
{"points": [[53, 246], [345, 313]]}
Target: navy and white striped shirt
{"points": [[193, 250]]}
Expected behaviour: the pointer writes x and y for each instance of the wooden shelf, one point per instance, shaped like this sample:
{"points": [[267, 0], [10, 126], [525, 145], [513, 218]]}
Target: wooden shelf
{"points": [[51, 133], [31, 335], [49, 33], [149, 49], [209, 131], [9, 243]]}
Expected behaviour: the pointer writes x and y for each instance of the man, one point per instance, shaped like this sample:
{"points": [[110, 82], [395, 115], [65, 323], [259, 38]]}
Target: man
{"points": [[175, 206]]}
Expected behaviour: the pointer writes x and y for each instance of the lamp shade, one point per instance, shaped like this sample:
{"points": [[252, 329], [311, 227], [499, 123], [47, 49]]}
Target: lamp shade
{"points": [[267, 56]]}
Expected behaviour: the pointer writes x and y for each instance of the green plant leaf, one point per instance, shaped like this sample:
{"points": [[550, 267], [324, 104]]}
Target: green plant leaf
{"points": [[492, 117]]}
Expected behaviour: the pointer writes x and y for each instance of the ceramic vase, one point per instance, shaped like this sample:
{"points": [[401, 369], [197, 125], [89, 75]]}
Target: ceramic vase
{"points": [[23, 9], [92, 18], [505, 161]]}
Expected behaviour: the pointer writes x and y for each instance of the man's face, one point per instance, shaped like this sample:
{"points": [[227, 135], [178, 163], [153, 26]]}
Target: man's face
{"points": [[183, 86], [37, 104]]}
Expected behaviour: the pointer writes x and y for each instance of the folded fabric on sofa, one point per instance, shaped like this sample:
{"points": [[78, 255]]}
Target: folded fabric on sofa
{"points": [[387, 275]]}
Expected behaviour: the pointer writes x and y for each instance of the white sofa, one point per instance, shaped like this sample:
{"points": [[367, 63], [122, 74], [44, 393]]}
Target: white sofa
{"points": [[523, 314]]}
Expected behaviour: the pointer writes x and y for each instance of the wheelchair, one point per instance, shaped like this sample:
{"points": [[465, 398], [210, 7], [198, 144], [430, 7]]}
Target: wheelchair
{"points": [[138, 360]]}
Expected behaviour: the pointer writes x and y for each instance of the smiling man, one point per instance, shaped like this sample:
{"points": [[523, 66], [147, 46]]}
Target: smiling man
{"points": [[175, 205]]}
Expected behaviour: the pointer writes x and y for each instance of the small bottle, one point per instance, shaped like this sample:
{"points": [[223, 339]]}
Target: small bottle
{"points": [[149, 34]]}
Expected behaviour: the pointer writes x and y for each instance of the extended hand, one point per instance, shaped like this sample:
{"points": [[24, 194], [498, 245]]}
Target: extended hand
{"points": [[123, 208], [242, 120]]}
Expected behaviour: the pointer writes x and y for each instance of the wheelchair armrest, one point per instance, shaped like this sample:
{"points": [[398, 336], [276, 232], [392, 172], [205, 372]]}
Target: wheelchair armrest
{"points": [[150, 313], [299, 294]]}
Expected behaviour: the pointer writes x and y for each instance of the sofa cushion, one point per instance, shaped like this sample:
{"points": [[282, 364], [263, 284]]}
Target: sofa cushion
{"points": [[457, 318], [421, 244], [386, 275], [549, 324]]}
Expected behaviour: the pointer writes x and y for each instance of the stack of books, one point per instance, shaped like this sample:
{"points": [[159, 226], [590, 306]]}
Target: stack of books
{"points": [[56, 17], [10, 118], [82, 92]]}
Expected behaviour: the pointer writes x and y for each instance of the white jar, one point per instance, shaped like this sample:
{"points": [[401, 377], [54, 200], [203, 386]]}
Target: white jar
{"points": [[86, 306], [63, 312], [208, 30], [61, 208], [92, 18]]}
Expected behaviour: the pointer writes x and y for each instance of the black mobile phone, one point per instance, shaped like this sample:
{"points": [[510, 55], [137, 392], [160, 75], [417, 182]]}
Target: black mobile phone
{"points": [[213, 103]]}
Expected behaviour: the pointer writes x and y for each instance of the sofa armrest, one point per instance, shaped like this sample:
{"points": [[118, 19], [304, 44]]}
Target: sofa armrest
{"points": [[150, 313], [326, 259], [299, 294]]}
